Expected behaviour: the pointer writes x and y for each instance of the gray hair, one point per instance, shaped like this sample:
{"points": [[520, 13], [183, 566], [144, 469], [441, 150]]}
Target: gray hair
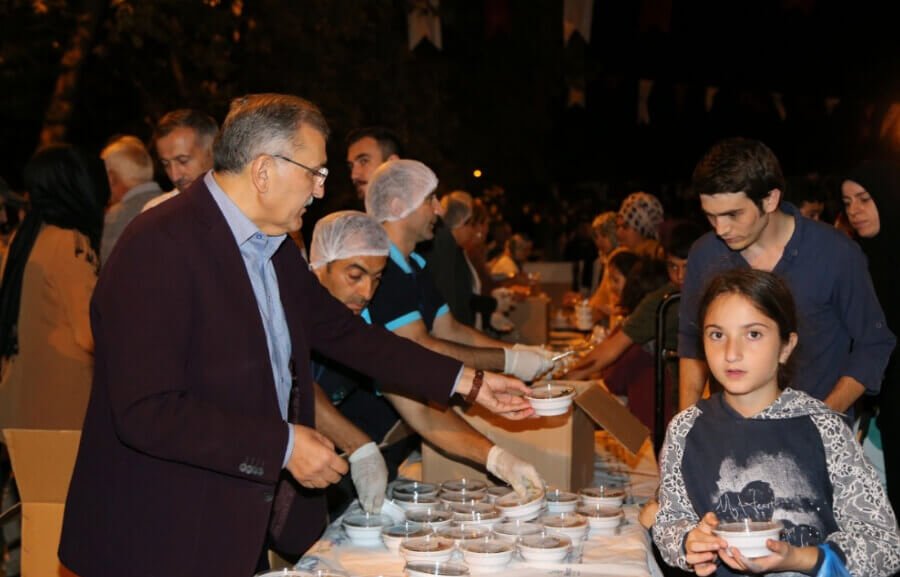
{"points": [[457, 208], [130, 159], [262, 124]]}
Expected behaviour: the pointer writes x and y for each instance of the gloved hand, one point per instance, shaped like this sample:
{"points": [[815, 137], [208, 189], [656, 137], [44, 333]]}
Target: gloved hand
{"points": [[525, 365], [547, 354], [370, 476], [521, 475], [501, 323]]}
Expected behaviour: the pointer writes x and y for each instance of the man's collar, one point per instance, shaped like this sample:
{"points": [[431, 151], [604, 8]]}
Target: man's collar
{"points": [[401, 261], [241, 227]]}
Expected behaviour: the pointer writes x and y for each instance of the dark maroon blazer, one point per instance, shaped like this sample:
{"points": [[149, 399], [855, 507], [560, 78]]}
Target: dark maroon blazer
{"points": [[183, 440]]}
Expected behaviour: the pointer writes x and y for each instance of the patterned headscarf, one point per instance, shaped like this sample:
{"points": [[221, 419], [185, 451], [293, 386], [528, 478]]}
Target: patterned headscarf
{"points": [[643, 212]]}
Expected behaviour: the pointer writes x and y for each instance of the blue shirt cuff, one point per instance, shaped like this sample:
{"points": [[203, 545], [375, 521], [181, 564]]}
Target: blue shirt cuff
{"points": [[290, 445]]}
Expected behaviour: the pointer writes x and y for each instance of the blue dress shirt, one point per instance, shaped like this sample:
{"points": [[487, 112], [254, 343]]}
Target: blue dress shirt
{"points": [[257, 249]]}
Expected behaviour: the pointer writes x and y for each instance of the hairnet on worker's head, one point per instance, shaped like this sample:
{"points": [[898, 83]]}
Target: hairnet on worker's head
{"points": [[397, 188], [346, 234]]}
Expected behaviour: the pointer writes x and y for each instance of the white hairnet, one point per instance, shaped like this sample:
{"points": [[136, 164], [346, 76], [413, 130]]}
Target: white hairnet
{"points": [[407, 181], [346, 234]]}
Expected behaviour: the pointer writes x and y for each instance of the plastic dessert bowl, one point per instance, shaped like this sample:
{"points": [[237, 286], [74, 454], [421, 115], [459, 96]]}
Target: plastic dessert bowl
{"points": [[608, 496], [435, 569], [428, 548], [459, 532], [432, 517], [406, 488], [461, 498], [572, 525], [559, 501], [416, 502], [525, 508], [487, 553], [395, 534], [464, 485], [599, 517], [515, 530], [550, 399], [545, 547], [476, 513], [749, 537], [365, 528]]}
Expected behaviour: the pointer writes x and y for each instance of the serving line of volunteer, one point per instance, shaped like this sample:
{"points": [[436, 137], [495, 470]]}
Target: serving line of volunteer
{"points": [[198, 449], [351, 253]]}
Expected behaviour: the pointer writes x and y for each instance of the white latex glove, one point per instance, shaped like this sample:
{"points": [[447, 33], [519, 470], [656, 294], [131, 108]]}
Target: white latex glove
{"points": [[521, 475], [525, 365], [547, 354], [504, 298], [370, 476], [501, 323]]}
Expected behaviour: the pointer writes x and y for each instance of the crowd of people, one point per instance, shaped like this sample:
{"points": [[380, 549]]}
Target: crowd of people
{"points": [[229, 404]]}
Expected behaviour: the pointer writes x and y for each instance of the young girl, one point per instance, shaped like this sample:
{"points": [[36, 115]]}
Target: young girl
{"points": [[760, 452]]}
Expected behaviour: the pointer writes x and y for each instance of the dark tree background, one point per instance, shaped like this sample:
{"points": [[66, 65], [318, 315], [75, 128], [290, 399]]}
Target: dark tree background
{"points": [[496, 97]]}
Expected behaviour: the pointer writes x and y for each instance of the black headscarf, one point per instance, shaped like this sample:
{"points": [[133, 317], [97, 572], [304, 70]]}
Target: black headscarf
{"points": [[881, 179], [65, 188]]}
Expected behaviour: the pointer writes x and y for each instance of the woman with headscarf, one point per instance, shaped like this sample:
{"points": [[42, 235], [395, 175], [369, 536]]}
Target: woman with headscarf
{"points": [[49, 273], [871, 195], [636, 230], [638, 222]]}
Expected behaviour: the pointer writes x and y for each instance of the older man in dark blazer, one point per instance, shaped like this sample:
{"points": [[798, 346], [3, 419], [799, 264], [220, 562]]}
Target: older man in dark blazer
{"points": [[202, 400]]}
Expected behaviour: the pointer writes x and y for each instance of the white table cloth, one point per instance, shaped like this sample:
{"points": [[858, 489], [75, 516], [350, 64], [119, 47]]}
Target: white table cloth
{"points": [[626, 554]]}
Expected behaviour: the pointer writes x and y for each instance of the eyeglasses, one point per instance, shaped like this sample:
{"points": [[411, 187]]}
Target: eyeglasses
{"points": [[319, 174]]}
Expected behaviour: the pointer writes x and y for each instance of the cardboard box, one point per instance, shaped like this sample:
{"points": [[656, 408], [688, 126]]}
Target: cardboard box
{"points": [[555, 278], [561, 448], [531, 317], [42, 462]]}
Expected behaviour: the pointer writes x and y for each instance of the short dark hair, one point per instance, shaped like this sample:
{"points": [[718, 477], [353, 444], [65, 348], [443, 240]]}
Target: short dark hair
{"points": [[738, 165], [388, 141], [262, 124], [767, 292], [681, 237], [203, 123]]}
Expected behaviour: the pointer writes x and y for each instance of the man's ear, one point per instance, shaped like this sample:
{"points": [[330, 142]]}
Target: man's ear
{"points": [[260, 172], [392, 157], [771, 202]]}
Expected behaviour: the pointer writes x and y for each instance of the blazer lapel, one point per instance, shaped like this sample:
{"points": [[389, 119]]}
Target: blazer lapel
{"points": [[229, 265]]}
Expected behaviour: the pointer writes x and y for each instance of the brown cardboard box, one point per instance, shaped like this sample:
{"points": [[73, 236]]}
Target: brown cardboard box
{"points": [[561, 448], [42, 462], [531, 317], [555, 278]]}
